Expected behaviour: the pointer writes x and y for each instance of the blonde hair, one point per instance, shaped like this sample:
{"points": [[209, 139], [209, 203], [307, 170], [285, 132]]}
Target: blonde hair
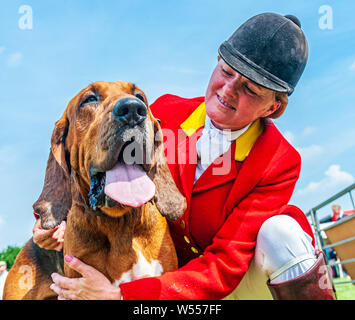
{"points": [[283, 98]]}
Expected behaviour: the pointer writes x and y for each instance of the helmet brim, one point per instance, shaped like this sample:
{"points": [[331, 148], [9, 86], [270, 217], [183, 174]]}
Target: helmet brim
{"points": [[251, 71]]}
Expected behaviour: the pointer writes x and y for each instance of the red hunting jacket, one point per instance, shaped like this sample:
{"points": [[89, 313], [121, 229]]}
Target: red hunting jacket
{"points": [[215, 238]]}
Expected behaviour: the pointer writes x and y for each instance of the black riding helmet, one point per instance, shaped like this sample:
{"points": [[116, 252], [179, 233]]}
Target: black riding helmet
{"points": [[269, 49]]}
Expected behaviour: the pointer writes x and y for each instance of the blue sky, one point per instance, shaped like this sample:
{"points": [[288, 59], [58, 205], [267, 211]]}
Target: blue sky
{"points": [[163, 47]]}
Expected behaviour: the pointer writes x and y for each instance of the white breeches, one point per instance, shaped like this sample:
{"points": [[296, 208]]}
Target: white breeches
{"points": [[283, 251]]}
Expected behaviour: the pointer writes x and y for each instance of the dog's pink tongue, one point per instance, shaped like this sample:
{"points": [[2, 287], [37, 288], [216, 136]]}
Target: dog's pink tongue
{"points": [[129, 184]]}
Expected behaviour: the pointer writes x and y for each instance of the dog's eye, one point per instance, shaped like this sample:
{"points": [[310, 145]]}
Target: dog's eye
{"points": [[89, 100], [140, 97]]}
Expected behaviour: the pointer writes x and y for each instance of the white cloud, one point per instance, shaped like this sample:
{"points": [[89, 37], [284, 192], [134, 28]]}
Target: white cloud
{"points": [[2, 222], [289, 136], [14, 59], [310, 151], [352, 67], [308, 131], [334, 179]]}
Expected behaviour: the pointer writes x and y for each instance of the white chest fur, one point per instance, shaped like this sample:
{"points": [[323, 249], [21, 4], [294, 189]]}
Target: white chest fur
{"points": [[142, 269]]}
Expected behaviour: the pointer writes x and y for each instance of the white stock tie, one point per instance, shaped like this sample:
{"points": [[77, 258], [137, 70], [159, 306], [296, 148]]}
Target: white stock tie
{"points": [[213, 143]]}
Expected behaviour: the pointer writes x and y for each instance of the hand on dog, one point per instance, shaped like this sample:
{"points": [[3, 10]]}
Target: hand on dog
{"points": [[92, 286], [51, 239]]}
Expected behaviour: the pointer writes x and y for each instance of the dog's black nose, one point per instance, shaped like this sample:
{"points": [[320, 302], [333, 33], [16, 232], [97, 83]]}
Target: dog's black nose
{"points": [[130, 111]]}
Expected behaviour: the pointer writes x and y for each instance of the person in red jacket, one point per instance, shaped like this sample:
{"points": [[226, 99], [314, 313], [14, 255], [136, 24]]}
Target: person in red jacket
{"points": [[238, 235], [338, 213]]}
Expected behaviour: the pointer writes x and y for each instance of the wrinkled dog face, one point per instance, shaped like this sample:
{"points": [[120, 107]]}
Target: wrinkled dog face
{"points": [[109, 121], [110, 144]]}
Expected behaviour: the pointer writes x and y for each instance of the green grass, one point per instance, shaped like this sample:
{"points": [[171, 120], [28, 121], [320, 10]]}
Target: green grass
{"points": [[344, 291]]}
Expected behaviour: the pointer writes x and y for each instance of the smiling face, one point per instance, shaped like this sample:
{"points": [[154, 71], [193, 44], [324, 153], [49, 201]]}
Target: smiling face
{"points": [[233, 101]]}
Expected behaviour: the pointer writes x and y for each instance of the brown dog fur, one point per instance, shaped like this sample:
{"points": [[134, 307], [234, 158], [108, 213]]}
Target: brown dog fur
{"points": [[110, 239]]}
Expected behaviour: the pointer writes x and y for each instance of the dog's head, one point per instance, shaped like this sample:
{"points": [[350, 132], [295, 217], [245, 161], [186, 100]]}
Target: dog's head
{"points": [[109, 147]]}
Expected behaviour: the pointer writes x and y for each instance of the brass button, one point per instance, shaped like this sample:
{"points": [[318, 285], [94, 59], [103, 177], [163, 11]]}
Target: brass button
{"points": [[182, 224], [187, 239], [194, 250]]}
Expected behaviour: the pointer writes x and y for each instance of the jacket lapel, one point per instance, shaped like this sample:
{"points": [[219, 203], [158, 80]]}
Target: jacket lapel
{"points": [[187, 160], [186, 148], [224, 168], [252, 169]]}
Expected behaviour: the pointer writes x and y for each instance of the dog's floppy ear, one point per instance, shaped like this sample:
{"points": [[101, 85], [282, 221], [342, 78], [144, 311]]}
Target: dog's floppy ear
{"points": [[55, 200], [58, 143], [168, 199]]}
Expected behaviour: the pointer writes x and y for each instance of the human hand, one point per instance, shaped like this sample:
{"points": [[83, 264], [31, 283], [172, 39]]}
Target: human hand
{"points": [[92, 286], [51, 239]]}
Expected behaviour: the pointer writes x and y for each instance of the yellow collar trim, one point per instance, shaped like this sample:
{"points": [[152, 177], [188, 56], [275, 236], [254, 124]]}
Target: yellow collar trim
{"points": [[195, 121], [244, 143]]}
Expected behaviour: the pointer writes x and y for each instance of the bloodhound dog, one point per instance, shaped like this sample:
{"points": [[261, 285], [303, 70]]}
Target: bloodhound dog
{"points": [[107, 176]]}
